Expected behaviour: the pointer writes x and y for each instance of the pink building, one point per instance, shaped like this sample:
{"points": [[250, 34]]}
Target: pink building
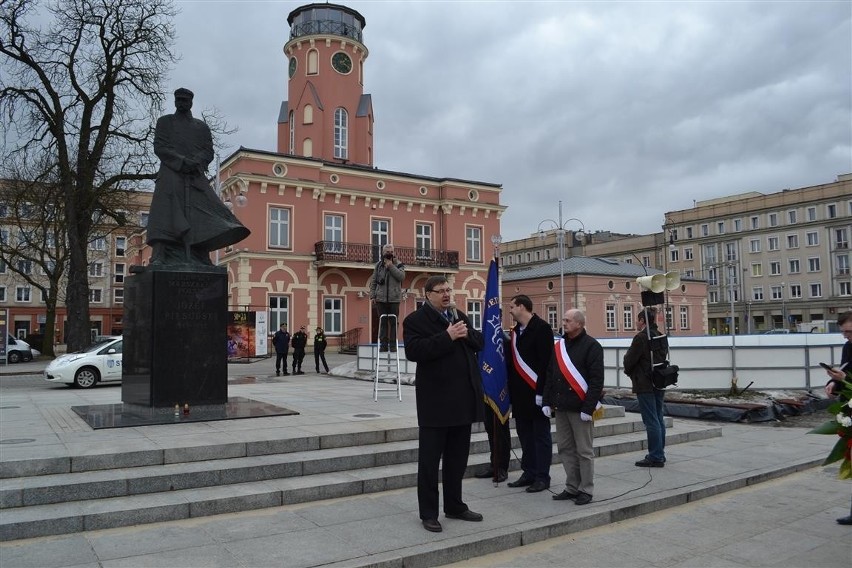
{"points": [[319, 211]]}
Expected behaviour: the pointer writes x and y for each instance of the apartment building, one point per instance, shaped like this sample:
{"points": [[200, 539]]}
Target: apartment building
{"points": [[111, 252], [775, 259]]}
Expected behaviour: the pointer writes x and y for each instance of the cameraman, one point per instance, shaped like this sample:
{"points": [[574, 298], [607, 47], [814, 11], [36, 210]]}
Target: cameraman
{"points": [[386, 293]]}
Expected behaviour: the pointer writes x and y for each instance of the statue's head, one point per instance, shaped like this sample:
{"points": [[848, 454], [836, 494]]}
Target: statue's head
{"points": [[183, 99]]}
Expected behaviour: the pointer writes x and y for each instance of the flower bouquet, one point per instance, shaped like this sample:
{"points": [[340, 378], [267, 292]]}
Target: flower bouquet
{"points": [[841, 425]]}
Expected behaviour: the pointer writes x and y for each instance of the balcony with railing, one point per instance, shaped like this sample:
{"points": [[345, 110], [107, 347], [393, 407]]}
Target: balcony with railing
{"points": [[329, 253]]}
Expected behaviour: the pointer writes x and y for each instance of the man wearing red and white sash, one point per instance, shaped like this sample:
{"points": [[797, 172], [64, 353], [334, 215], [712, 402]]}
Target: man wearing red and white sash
{"points": [[572, 391], [530, 349]]}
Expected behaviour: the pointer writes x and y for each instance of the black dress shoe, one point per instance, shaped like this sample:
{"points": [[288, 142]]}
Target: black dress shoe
{"points": [[286, 374], [502, 475], [485, 473], [522, 481], [465, 516], [583, 498], [565, 496], [538, 486], [845, 520], [432, 525], [648, 463]]}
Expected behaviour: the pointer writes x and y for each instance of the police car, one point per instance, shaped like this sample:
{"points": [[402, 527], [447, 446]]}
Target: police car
{"points": [[100, 363]]}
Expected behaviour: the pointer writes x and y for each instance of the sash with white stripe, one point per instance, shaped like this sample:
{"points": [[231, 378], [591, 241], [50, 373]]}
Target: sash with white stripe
{"points": [[569, 372], [525, 371]]}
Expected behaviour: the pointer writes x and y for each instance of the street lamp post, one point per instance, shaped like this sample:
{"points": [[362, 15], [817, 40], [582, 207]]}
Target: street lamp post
{"points": [[783, 307], [667, 226], [560, 239]]}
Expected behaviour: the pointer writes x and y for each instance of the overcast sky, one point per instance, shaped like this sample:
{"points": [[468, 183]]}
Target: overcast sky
{"points": [[623, 110]]}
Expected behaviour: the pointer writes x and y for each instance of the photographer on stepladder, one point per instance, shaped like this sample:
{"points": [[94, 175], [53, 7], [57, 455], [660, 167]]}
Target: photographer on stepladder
{"points": [[386, 294]]}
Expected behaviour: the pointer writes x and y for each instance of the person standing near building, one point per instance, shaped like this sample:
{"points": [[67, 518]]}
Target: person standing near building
{"points": [[386, 293], [448, 388], [637, 365], [281, 342], [572, 391], [530, 350], [299, 341], [319, 349], [837, 375]]}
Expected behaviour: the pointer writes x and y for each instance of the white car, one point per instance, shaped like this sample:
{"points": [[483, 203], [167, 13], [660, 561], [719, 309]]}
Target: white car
{"points": [[99, 363]]}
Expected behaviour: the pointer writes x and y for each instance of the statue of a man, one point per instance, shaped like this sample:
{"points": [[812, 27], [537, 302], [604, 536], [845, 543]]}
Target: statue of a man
{"points": [[187, 219]]}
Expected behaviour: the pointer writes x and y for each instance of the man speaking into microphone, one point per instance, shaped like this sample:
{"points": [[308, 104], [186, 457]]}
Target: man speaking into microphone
{"points": [[449, 399]]}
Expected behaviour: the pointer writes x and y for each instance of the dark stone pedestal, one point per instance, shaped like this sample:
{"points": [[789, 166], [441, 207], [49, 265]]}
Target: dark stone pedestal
{"points": [[175, 327]]}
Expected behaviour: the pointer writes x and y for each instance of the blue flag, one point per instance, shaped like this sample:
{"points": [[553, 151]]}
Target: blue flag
{"points": [[492, 359]]}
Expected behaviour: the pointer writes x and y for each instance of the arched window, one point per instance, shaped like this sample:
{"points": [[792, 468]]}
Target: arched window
{"points": [[308, 148], [308, 117], [341, 133], [292, 143], [313, 62]]}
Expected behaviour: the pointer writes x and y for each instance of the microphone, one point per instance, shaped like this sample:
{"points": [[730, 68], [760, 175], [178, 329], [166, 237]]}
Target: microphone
{"points": [[454, 311]]}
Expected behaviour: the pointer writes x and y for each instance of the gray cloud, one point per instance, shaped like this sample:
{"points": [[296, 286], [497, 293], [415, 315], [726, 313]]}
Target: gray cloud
{"points": [[623, 110]]}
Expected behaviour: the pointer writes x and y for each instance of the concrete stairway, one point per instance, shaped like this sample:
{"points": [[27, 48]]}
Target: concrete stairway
{"points": [[83, 493]]}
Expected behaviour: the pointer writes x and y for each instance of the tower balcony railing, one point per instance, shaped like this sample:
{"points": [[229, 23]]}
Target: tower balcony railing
{"points": [[330, 252], [331, 27]]}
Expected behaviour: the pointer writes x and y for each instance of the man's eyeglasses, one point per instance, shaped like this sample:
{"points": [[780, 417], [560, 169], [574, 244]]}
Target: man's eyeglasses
{"points": [[442, 291]]}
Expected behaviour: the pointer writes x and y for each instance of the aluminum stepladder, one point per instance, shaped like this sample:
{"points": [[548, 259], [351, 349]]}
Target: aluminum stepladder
{"points": [[388, 363]]}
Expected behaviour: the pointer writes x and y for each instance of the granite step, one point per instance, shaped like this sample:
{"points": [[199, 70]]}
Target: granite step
{"points": [[108, 512], [79, 486]]}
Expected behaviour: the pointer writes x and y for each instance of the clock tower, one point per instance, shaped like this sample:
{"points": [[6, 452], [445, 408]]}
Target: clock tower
{"points": [[327, 115]]}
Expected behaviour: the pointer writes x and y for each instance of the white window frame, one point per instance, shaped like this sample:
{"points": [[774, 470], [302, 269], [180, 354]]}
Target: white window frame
{"points": [[792, 242], [794, 266], [279, 313], [423, 240], [814, 264], [610, 317], [279, 225], [473, 243], [754, 245], [815, 289], [96, 295], [23, 294], [474, 313], [341, 134], [757, 293], [332, 315], [627, 316], [813, 238], [333, 233]]}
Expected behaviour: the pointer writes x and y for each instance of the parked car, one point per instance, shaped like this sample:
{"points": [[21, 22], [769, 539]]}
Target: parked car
{"points": [[18, 350], [776, 331], [99, 363]]}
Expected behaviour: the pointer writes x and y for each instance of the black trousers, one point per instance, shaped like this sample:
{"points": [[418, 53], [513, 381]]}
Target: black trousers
{"points": [[452, 444], [499, 436], [537, 446], [387, 326], [298, 357], [317, 356], [281, 356]]}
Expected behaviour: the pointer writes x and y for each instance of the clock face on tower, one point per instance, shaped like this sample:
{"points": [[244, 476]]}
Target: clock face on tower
{"points": [[341, 62], [293, 64]]}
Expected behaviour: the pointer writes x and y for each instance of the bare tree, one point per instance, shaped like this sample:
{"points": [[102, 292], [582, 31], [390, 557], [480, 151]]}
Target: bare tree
{"points": [[82, 92], [32, 240]]}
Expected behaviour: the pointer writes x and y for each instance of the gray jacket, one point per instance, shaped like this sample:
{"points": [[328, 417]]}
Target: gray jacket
{"points": [[386, 283]]}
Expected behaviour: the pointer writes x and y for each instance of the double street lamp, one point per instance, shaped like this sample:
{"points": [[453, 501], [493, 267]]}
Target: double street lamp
{"points": [[559, 225]]}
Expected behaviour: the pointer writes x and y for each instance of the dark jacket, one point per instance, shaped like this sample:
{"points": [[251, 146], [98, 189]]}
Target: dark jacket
{"points": [[447, 383], [535, 345], [319, 342], [637, 361], [299, 341], [281, 341], [587, 355]]}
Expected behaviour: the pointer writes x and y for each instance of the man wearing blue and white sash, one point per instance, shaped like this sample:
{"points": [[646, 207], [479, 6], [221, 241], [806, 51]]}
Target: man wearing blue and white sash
{"points": [[572, 391], [530, 350]]}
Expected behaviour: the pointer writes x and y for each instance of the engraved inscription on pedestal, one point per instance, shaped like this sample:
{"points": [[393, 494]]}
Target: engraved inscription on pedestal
{"points": [[175, 348]]}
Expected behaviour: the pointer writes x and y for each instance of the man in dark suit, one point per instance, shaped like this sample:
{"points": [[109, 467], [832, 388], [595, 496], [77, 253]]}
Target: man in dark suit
{"points": [[449, 399], [529, 352]]}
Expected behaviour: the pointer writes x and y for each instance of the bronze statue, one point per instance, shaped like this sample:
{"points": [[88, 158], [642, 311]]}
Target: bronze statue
{"points": [[187, 219]]}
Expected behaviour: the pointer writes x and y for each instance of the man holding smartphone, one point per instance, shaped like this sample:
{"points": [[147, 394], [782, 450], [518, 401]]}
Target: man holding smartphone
{"points": [[838, 374]]}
